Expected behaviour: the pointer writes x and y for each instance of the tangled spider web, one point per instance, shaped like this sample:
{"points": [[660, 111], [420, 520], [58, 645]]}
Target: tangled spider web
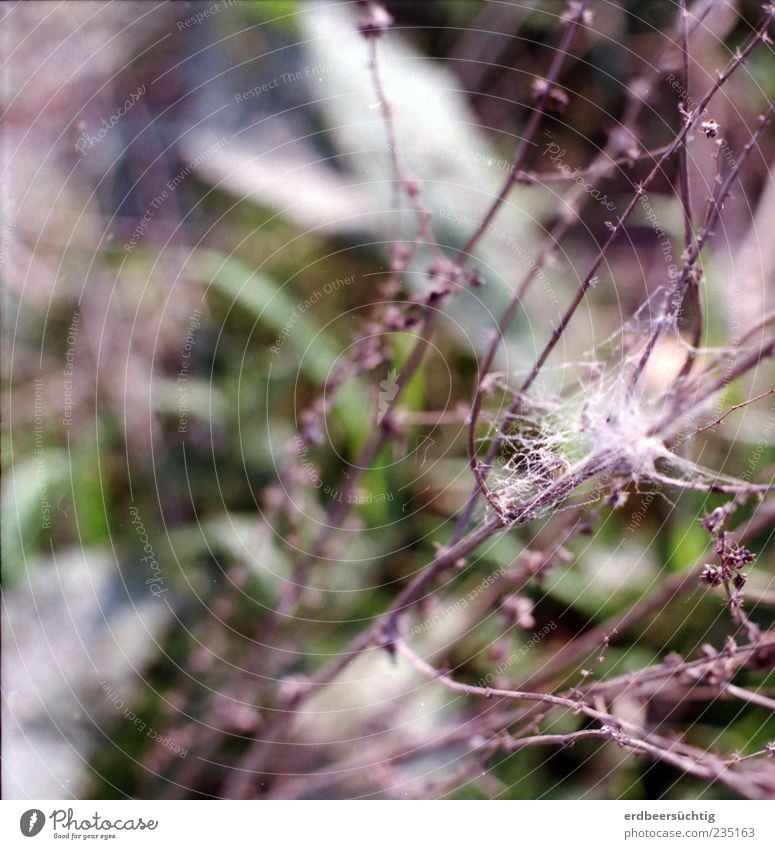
{"points": [[606, 431]]}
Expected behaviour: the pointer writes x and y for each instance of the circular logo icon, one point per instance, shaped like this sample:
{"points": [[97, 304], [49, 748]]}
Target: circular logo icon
{"points": [[31, 822]]}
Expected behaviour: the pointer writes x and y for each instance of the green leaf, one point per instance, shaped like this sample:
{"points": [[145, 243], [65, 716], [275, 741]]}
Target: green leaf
{"points": [[274, 307]]}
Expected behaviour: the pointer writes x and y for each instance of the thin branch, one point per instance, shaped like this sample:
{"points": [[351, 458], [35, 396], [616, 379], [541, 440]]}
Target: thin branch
{"points": [[745, 365], [697, 486], [525, 148], [683, 162], [514, 744], [403, 181], [683, 153], [674, 298], [480, 472], [721, 418], [578, 649], [770, 317], [695, 670], [382, 633], [541, 177], [747, 696], [599, 167], [413, 593], [686, 758]]}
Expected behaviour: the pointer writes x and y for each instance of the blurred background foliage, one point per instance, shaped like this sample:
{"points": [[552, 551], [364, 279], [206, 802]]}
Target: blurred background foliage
{"points": [[276, 195]]}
